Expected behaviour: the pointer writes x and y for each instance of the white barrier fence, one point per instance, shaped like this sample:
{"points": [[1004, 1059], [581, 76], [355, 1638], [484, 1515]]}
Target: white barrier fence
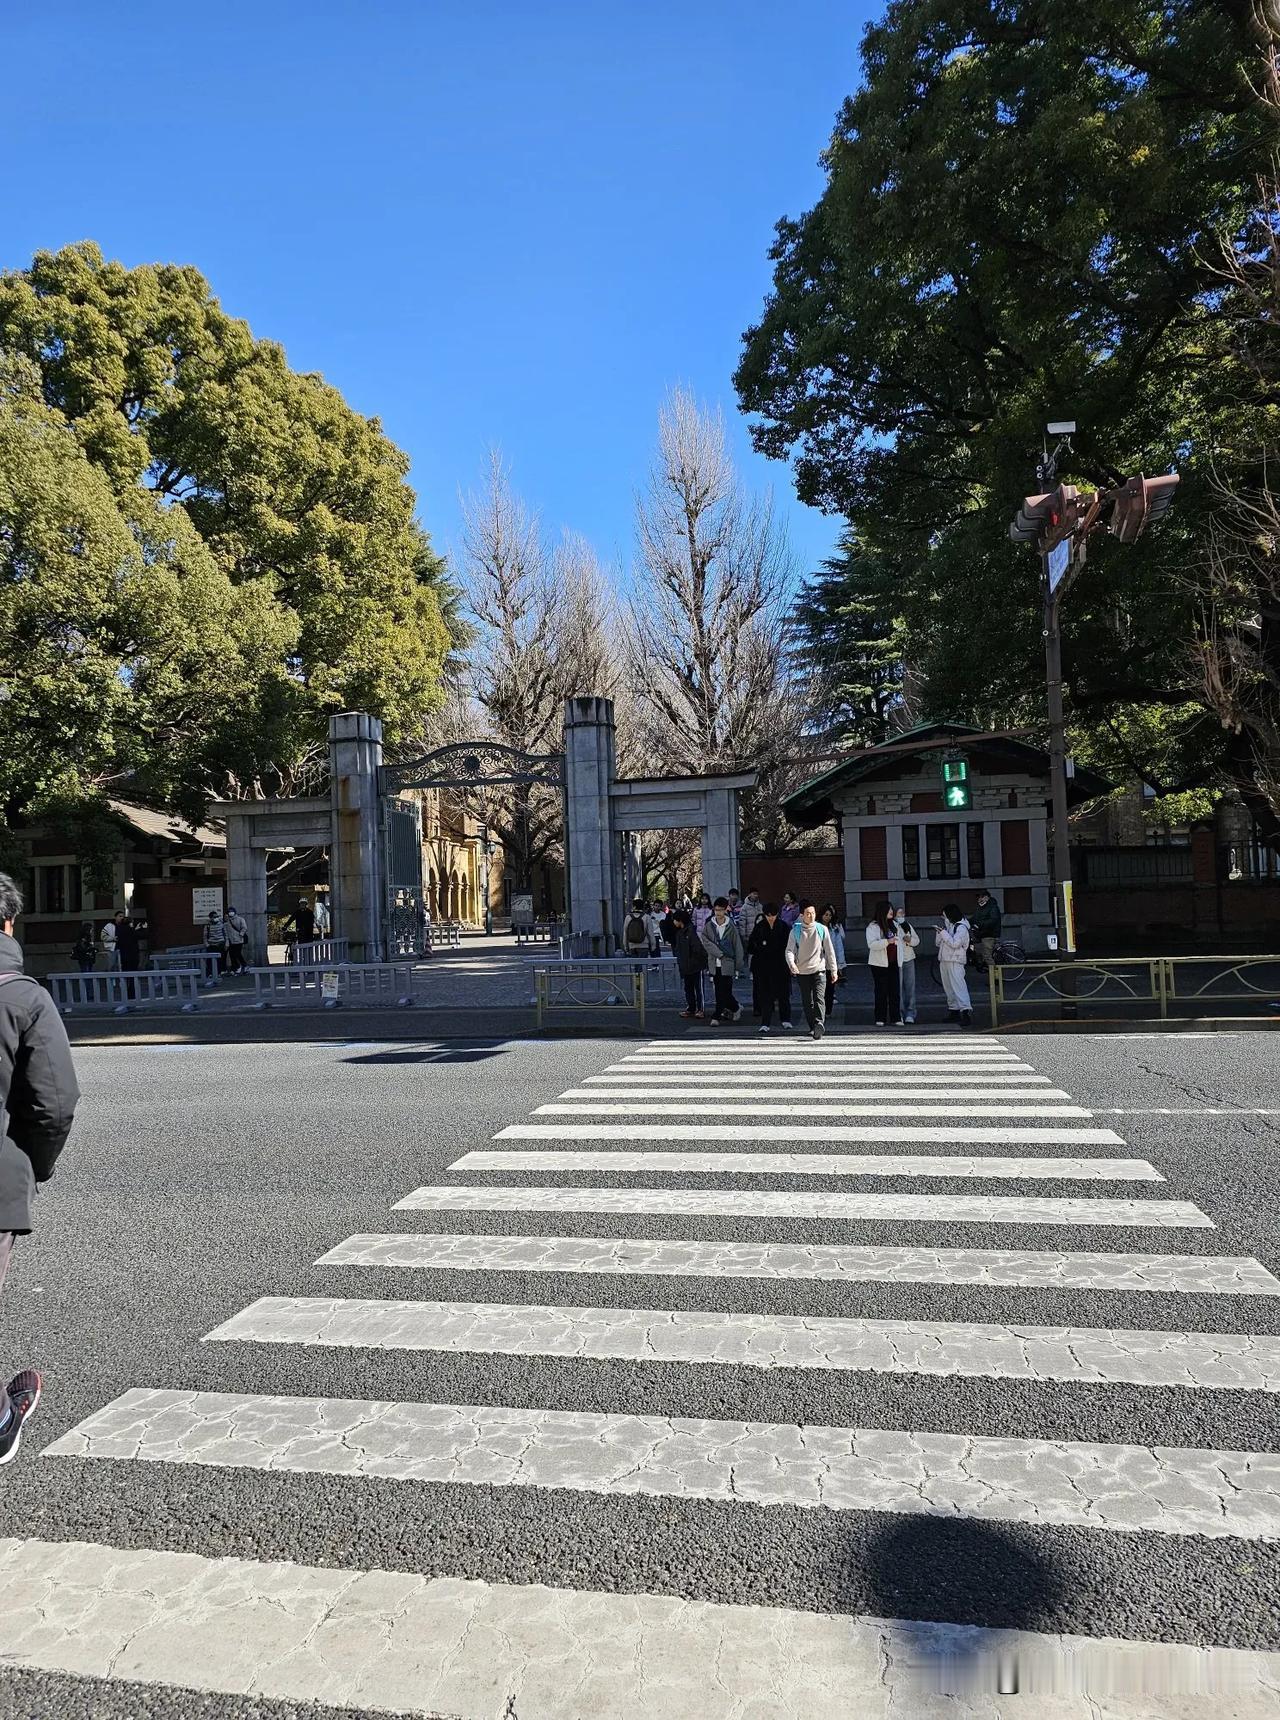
{"points": [[538, 933], [446, 934], [125, 990], [381, 981], [317, 951], [177, 960], [575, 947]]}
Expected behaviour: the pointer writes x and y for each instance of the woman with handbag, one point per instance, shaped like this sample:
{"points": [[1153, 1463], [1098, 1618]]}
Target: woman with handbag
{"points": [[884, 951]]}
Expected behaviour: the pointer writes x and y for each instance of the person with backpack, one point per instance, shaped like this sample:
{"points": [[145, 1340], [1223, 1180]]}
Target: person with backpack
{"points": [[726, 959], [691, 959], [811, 957], [953, 952], [771, 978], [635, 931], [884, 958], [84, 952], [38, 1096]]}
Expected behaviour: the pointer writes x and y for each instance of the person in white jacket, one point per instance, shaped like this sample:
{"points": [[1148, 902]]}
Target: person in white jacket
{"points": [[953, 952], [908, 944], [884, 958]]}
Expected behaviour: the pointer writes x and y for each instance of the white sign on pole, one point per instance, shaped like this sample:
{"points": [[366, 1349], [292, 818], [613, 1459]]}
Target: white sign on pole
{"points": [[203, 902], [328, 988], [1059, 562]]}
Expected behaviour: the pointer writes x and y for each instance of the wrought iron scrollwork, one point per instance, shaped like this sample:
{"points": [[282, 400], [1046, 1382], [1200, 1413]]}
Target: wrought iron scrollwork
{"points": [[474, 764]]}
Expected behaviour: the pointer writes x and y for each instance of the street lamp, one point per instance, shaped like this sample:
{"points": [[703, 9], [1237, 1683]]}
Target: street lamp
{"points": [[1057, 521], [487, 848]]}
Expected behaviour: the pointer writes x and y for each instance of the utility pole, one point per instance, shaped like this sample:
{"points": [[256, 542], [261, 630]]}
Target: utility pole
{"points": [[1058, 521]]}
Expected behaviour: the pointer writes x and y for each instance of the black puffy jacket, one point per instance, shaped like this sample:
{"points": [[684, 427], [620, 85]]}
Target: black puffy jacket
{"points": [[37, 1086]]}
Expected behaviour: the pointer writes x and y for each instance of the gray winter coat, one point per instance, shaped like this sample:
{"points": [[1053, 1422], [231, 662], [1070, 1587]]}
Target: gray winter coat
{"points": [[37, 1087], [724, 944]]}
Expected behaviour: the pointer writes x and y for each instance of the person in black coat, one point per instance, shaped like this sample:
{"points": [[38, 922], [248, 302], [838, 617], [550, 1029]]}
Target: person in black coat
{"points": [[771, 978], [691, 959], [38, 1095]]}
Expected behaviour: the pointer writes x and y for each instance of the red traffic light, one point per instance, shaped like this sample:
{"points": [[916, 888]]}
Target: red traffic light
{"points": [[1051, 515], [1139, 503]]}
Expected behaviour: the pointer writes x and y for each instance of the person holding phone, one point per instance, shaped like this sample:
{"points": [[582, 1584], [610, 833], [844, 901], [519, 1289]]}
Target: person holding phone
{"points": [[908, 944], [953, 952], [883, 952]]}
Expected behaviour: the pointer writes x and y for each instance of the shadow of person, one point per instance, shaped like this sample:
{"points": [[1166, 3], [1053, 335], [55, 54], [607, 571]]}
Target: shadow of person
{"points": [[943, 1589]]}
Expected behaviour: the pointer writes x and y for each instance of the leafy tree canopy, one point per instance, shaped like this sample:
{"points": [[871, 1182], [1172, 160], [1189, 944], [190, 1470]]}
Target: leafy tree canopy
{"points": [[1025, 218], [202, 552]]}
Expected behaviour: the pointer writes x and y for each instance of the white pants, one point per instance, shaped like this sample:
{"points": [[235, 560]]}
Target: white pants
{"points": [[955, 985]]}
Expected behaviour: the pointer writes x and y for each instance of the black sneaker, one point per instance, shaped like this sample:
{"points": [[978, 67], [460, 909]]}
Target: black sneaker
{"points": [[24, 1395]]}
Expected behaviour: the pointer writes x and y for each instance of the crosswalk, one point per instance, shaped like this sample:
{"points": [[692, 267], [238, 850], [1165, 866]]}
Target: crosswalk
{"points": [[695, 1359]]}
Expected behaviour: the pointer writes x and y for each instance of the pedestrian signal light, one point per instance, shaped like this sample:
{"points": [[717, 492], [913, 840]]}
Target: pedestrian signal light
{"points": [[958, 797], [1139, 503], [955, 770]]}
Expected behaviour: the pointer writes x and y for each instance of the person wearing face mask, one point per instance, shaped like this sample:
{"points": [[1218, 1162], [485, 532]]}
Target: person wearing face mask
{"points": [[812, 958], [953, 951], [908, 944], [771, 978]]}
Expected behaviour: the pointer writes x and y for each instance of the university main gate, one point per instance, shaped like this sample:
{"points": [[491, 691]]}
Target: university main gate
{"points": [[375, 838]]}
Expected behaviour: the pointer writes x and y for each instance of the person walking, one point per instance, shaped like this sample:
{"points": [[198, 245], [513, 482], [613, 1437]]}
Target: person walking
{"points": [[770, 976], [953, 951], [884, 958], [237, 929], [129, 944], [635, 931], [215, 940], [984, 927], [653, 926], [322, 919], [908, 944], [702, 913], [110, 940], [84, 952], [789, 912], [726, 959], [691, 959], [811, 957], [749, 915], [38, 1095], [831, 920]]}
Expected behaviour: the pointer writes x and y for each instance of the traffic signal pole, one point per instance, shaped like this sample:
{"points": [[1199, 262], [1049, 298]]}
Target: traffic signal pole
{"points": [[1058, 788]]}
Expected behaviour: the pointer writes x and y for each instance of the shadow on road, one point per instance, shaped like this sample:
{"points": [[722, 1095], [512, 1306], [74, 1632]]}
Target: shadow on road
{"points": [[433, 1054], [935, 1578]]}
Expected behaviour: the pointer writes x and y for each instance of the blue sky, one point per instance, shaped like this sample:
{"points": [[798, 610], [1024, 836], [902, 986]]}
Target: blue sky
{"points": [[486, 222]]}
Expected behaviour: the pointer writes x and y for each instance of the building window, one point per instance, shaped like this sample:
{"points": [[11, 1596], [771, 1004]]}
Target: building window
{"points": [[911, 851], [977, 854], [75, 890], [942, 844], [53, 890]]}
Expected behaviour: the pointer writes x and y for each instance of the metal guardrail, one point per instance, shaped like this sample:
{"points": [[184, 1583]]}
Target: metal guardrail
{"points": [[180, 960], [575, 946], [445, 935], [124, 990], [318, 950], [538, 933], [298, 984], [661, 977], [1162, 981], [582, 985]]}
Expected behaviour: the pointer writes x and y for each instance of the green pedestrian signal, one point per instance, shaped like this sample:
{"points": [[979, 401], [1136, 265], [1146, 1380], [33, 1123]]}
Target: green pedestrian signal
{"points": [[957, 796]]}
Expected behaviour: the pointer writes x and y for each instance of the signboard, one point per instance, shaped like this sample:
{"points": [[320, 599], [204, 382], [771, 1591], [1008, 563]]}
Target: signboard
{"points": [[1059, 562], [328, 988], [204, 900], [522, 910], [1069, 917]]}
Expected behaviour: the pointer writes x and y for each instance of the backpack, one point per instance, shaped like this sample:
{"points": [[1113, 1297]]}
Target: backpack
{"points": [[635, 934]]}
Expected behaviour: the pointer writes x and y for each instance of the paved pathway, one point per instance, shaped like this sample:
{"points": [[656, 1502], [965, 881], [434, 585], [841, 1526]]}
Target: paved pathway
{"points": [[373, 1640]]}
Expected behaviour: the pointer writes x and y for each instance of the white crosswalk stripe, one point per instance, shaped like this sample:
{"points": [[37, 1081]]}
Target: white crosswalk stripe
{"points": [[818, 1165], [727, 1107], [1173, 1491], [637, 1256], [1221, 1360], [799, 1204]]}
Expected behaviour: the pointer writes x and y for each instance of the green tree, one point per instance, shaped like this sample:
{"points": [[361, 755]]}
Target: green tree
{"points": [[851, 647], [199, 430], [1024, 218]]}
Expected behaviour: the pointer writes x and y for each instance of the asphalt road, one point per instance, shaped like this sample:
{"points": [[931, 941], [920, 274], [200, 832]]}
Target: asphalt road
{"points": [[202, 1177]]}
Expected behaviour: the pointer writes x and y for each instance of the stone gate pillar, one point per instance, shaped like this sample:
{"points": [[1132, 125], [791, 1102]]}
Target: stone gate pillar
{"points": [[589, 762], [355, 859], [247, 880], [720, 842]]}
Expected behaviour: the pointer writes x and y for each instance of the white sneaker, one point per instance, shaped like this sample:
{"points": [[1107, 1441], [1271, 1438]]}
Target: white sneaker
{"points": [[764, 1030], [786, 1026]]}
